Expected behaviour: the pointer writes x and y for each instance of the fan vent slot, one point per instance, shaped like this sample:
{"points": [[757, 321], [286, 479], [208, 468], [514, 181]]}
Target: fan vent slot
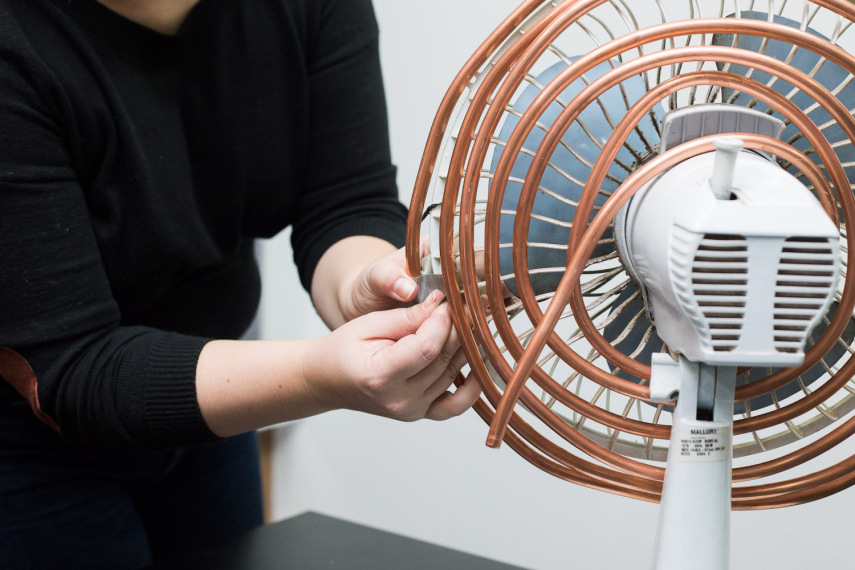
{"points": [[720, 284], [804, 282]]}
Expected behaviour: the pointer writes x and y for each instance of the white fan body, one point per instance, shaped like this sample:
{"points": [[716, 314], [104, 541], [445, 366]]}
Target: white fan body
{"points": [[738, 262], [693, 530], [735, 281]]}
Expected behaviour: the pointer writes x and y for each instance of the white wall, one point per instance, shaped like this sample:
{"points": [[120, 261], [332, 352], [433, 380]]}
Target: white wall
{"points": [[437, 481]]}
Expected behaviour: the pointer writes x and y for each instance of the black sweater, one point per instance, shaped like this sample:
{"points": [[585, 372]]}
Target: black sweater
{"points": [[135, 171]]}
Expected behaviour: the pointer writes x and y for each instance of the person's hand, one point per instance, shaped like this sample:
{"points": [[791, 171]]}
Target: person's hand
{"points": [[398, 363], [382, 285]]}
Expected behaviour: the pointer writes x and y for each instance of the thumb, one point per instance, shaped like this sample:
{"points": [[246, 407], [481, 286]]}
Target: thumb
{"points": [[388, 278]]}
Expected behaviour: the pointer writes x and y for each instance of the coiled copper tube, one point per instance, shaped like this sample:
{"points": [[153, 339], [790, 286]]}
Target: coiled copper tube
{"points": [[486, 87]]}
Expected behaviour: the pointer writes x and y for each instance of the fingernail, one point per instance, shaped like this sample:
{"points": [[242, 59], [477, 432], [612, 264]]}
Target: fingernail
{"points": [[434, 298], [404, 288]]}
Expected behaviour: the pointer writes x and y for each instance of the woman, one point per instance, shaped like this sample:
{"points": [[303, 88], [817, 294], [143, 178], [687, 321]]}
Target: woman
{"points": [[144, 145]]}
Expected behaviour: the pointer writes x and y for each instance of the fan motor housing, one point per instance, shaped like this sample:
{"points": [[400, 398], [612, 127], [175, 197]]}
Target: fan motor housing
{"points": [[737, 281]]}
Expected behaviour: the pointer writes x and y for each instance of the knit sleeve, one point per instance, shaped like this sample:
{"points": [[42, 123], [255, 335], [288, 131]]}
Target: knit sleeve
{"points": [[62, 343], [351, 187]]}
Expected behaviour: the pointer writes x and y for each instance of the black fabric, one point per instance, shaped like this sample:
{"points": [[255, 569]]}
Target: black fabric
{"points": [[136, 169], [93, 508]]}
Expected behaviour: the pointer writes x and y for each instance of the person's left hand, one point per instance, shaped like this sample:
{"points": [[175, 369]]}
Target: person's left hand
{"points": [[382, 285]]}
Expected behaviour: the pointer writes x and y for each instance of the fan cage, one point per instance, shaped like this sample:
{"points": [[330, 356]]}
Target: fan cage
{"points": [[555, 389]]}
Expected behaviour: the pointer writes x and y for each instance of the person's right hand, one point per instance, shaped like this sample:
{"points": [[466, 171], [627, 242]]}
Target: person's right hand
{"points": [[398, 363]]}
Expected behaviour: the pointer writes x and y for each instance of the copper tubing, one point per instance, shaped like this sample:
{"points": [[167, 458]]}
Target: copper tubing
{"points": [[531, 181], [680, 82], [639, 110], [799, 490], [500, 84], [441, 121], [634, 386], [646, 491], [557, 127], [824, 480], [643, 477], [589, 95], [585, 245], [794, 459], [481, 100]]}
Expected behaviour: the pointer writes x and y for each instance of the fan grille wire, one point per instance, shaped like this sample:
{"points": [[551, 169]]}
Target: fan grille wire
{"points": [[593, 423]]}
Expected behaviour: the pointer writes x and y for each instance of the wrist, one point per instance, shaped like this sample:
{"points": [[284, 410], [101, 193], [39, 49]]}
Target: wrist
{"points": [[318, 374], [341, 275], [245, 385], [347, 297]]}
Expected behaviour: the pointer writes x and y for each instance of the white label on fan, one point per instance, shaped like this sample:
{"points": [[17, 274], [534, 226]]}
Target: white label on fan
{"points": [[704, 443]]}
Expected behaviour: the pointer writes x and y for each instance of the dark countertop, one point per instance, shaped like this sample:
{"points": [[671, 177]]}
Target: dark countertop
{"points": [[312, 541]]}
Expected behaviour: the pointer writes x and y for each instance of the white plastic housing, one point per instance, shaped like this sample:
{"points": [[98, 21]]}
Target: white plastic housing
{"points": [[694, 518], [739, 281]]}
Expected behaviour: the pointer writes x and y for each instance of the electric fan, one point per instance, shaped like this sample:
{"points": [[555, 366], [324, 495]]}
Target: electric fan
{"points": [[639, 212]]}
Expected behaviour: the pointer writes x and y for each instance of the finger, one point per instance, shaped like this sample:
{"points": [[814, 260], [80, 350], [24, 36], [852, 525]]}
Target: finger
{"points": [[388, 278], [395, 324], [424, 247], [414, 352], [437, 371], [451, 354], [442, 381], [449, 405], [404, 288]]}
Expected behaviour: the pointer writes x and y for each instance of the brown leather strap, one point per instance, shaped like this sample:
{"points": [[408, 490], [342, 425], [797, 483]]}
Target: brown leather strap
{"points": [[18, 372]]}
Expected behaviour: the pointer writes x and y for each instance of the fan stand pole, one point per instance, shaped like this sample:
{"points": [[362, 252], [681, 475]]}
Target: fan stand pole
{"points": [[694, 519]]}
